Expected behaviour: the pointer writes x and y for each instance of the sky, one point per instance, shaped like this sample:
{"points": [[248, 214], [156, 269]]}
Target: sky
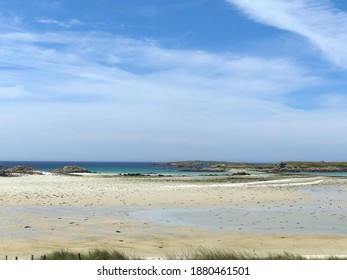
{"points": [[169, 80]]}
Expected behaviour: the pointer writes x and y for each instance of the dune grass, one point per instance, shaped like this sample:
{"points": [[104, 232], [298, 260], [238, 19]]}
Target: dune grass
{"points": [[211, 254], [198, 254], [96, 254]]}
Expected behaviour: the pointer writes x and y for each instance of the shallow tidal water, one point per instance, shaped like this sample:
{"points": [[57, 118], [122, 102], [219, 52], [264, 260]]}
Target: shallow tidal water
{"points": [[324, 214]]}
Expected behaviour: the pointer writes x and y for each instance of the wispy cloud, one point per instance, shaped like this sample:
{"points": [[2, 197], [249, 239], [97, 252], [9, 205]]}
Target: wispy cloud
{"points": [[319, 21], [9, 21], [142, 68], [67, 24]]}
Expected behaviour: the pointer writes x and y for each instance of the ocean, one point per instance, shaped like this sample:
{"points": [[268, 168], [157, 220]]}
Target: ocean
{"points": [[109, 167]]}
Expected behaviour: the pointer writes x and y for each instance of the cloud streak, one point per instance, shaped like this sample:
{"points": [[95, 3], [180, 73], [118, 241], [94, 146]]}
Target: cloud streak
{"points": [[318, 21], [67, 24], [139, 67]]}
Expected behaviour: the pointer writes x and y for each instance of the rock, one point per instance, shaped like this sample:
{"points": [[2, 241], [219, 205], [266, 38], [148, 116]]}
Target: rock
{"points": [[240, 173], [72, 169], [22, 170], [132, 174], [281, 165], [204, 169], [3, 172], [220, 165]]}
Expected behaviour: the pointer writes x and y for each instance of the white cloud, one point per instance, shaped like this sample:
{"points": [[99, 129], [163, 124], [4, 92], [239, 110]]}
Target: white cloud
{"points": [[317, 20], [64, 24], [143, 67]]}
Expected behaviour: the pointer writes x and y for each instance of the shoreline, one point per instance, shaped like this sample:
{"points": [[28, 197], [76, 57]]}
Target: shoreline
{"points": [[172, 208], [189, 168]]}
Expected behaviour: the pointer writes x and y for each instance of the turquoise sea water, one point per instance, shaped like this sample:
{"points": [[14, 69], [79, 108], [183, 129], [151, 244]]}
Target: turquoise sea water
{"points": [[109, 167]]}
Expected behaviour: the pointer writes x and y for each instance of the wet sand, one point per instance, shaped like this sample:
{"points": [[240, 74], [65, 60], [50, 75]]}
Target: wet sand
{"points": [[154, 216]]}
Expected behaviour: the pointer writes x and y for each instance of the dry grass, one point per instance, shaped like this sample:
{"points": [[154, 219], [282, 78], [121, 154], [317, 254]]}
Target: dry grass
{"points": [[199, 254]]}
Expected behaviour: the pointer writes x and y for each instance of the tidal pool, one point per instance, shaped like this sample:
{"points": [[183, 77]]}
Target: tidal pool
{"points": [[325, 213]]}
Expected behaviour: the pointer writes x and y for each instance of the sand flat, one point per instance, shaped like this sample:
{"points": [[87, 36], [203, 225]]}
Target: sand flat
{"points": [[152, 216]]}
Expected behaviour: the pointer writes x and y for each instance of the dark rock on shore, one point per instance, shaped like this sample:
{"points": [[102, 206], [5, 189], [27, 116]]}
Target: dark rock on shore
{"points": [[3, 172], [281, 165], [22, 170], [142, 175], [206, 169], [240, 174], [132, 174], [71, 169]]}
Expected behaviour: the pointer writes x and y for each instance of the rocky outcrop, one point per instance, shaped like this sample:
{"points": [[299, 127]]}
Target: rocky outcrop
{"points": [[3, 172], [27, 170], [199, 167], [312, 169], [283, 167], [279, 167], [71, 169]]}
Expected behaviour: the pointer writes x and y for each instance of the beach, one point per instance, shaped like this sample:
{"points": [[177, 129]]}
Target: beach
{"points": [[153, 216]]}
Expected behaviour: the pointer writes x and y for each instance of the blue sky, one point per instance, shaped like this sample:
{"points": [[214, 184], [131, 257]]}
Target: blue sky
{"points": [[157, 80]]}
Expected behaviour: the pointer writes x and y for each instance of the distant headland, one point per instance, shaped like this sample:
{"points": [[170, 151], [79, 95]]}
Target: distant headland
{"points": [[278, 167]]}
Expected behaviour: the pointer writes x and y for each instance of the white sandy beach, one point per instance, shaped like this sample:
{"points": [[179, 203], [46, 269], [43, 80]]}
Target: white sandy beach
{"points": [[153, 216]]}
